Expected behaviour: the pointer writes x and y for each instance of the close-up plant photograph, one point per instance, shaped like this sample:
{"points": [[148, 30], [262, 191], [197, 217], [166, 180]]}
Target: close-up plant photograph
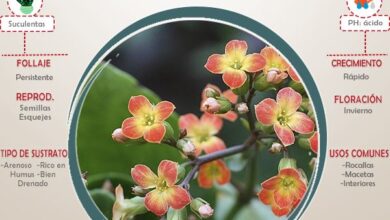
{"points": [[196, 120]]}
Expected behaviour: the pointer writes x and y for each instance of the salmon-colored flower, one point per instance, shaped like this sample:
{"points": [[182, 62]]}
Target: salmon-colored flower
{"points": [[148, 120], [213, 172], [228, 94], [165, 193], [202, 132], [235, 63], [283, 115], [283, 192], [313, 140], [276, 68]]}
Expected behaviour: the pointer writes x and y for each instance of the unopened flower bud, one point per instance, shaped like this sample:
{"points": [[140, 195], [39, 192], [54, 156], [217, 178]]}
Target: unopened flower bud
{"points": [[107, 186], [138, 191], [225, 105], [118, 136], [276, 148], [242, 108], [186, 146], [211, 105], [205, 211], [313, 162], [276, 76], [201, 208], [211, 93]]}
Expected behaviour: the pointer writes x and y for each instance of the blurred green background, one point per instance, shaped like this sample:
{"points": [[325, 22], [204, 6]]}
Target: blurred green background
{"points": [[166, 60]]}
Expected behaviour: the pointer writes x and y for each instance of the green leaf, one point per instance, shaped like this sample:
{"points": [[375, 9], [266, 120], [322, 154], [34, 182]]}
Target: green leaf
{"points": [[104, 200], [257, 210]]}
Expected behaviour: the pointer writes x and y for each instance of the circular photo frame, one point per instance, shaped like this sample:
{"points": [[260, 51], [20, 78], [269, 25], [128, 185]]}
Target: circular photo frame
{"points": [[274, 113]]}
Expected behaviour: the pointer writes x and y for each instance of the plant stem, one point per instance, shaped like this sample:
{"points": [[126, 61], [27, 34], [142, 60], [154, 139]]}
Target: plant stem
{"points": [[252, 176], [249, 114], [186, 182]]}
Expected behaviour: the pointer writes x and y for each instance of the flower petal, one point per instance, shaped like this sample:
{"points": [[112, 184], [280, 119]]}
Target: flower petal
{"points": [[216, 63], [229, 94], [267, 111], [273, 60], [163, 110], [293, 75], [177, 197], [168, 171], [234, 78], [204, 180], [280, 211], [253, 63], [212, 145], [143, 176], [155, 133], [236, 48], [289, 172], [230, 116], [212, 121], [266, 196], [187, 121], [132, 129], [300, 189], [269, 53], [283, 197], [299, 186], [313, 140], [285, 134], [301, 123], [139, 105], [289, 100], [271, 183], [224, 172], [156, 202]]}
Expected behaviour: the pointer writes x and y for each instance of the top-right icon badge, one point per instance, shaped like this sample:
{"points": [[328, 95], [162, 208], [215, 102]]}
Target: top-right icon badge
{"points": [[364, 8]]}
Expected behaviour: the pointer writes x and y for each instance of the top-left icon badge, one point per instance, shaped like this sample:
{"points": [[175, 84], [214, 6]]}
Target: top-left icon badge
{"points": [[25, 7]]}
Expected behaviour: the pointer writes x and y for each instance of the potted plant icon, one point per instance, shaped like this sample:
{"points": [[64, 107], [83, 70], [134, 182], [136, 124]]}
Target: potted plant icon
{"points": [[26, 6]]}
